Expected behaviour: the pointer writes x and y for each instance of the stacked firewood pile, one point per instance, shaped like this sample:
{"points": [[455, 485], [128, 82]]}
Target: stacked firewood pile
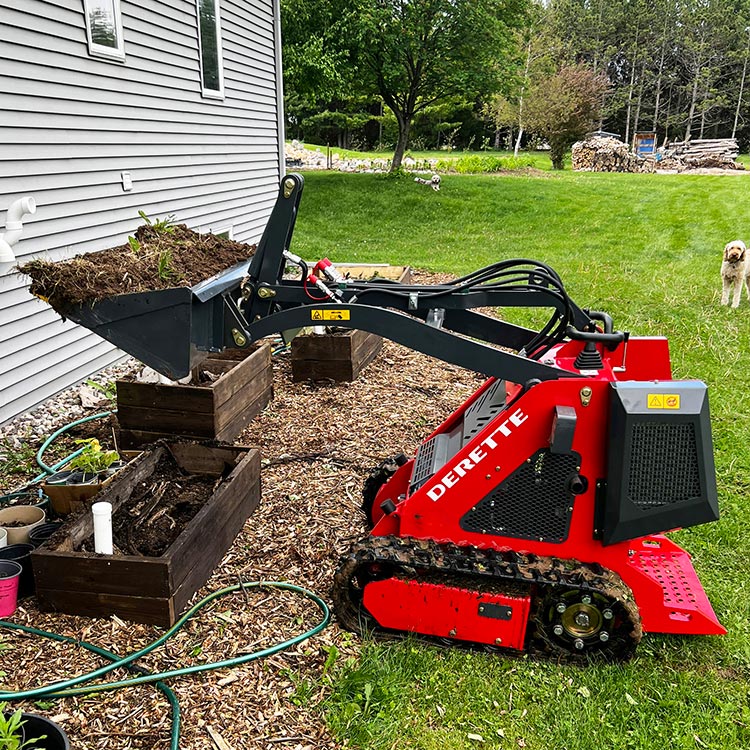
{"points": [[703, 153], [606, 154]]}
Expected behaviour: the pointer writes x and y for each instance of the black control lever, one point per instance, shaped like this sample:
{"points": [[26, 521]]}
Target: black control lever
{"points": [[611, 340]]}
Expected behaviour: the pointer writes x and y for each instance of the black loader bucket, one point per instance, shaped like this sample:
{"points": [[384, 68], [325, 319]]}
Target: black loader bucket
{"points": [[170, 330]]}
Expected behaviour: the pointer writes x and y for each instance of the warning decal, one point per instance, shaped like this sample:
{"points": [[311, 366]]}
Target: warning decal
{"points": [[663, 401], [330, 315]]}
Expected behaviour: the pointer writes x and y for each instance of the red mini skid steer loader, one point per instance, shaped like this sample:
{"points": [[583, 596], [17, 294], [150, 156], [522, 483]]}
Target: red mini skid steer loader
{"points": [[532, 518]]}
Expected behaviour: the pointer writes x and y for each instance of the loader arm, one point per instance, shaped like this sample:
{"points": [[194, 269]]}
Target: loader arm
{"points": [[438, 320], [172, 330]]}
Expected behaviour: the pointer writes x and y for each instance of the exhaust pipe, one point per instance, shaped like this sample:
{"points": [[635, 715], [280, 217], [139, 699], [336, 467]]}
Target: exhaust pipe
{"points": [[14, 227]]}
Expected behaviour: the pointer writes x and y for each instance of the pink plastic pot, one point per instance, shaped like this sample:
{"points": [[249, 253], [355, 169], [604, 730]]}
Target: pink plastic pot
{"points": [[10, 572]]}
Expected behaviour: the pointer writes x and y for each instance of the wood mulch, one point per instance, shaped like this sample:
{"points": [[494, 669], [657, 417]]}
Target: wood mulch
{"points": [[317, 441]]}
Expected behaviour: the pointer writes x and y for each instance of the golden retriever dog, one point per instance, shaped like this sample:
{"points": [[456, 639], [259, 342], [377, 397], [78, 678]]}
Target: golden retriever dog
{"points": [[734, 272]]}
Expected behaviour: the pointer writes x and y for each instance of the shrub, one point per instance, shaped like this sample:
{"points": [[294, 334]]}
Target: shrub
{"points": [[479, 164]]}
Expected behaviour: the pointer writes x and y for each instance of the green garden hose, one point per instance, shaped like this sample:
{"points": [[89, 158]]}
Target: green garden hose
{"points": [[78, 685], [46, 444]]}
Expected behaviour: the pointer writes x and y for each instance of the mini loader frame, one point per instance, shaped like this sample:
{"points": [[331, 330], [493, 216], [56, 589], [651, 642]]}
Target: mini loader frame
{"points": [[531, 519]]}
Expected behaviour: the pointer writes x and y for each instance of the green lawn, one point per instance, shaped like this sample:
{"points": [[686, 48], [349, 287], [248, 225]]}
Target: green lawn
{"points": [[646, 248]]}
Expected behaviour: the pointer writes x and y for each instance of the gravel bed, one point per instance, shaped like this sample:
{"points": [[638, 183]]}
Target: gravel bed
{"points": [[65, 407]]}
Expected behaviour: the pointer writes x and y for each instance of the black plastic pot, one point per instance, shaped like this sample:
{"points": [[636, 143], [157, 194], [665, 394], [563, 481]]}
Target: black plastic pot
{"points": [[35, 726], [25, 497], [21, 553], [40, 534], [76, 476]]}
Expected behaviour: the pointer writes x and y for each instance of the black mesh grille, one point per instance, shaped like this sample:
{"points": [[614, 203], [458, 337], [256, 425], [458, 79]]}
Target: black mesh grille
{"points": [[663, 465], [423, 464], [534, 502]]}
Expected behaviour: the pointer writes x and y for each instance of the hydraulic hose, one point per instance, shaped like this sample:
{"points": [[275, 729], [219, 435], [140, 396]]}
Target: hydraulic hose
{"points": [[78, 685]]}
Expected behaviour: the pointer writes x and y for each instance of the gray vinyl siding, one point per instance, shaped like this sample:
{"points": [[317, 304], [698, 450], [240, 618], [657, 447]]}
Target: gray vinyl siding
{"points": [[70, 123]]}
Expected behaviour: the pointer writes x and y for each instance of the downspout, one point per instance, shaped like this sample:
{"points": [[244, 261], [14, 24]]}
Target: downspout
{"points": [[279, 85], [14, 227]]}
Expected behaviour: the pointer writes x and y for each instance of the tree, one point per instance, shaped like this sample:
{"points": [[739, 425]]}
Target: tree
{"points": [[564, 106], [316, 64], [415, 53]]}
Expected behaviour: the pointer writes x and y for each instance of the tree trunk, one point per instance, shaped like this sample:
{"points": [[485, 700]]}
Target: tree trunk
{"points": [[639, 100], [631, 87], [742, 88], [404, 126], [557, 154], [659, 74], [520, 99], [694, 92]]}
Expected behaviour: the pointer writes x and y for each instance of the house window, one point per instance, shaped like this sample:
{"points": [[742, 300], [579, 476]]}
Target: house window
{"points": [[209, 43], [104, 28], [227, 234]]}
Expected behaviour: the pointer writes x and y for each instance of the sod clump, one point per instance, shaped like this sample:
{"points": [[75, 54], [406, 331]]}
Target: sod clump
{"points": [[159, 256]]}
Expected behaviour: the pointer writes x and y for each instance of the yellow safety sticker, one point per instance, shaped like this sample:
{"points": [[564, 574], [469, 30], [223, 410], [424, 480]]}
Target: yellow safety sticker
{"points": [[663, 401], [331, 315]]}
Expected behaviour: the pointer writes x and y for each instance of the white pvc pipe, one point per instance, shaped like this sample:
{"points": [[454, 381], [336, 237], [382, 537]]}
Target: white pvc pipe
{"points": [[14, 226], [102, 528]]}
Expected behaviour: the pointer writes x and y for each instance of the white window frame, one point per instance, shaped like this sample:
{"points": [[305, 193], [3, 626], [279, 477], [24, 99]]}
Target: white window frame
{"points": [[206, 92], [99, 50], [226, 232]]}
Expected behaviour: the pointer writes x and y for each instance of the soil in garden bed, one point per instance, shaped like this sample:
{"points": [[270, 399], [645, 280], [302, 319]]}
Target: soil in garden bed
{"points": [[158, 510], [157, 259]]}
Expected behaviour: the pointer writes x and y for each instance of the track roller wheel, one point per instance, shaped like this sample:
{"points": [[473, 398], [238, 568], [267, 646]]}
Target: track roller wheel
{"points": [[599, 621]]}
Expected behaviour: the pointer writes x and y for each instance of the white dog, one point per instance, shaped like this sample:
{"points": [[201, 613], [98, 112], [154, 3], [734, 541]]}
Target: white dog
{"points": [[434, 182], [734, 272]]}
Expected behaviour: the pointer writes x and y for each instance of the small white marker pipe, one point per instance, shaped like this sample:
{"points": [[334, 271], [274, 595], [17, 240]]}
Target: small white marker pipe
{"points": [[102, 528]]}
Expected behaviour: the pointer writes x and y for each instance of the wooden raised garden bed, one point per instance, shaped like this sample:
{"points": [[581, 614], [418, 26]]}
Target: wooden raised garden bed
{"points": [[150, 589], [219, 410], [342, 355]]}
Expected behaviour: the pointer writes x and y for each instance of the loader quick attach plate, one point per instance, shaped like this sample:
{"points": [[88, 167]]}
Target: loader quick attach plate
{"points": [[660, 468]]}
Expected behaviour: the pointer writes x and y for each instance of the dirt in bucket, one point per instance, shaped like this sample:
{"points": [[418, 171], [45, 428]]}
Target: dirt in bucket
{"points": [[158, 256]]}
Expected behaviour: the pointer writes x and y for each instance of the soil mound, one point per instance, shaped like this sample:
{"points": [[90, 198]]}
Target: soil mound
{"points": [[155, 258]]}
